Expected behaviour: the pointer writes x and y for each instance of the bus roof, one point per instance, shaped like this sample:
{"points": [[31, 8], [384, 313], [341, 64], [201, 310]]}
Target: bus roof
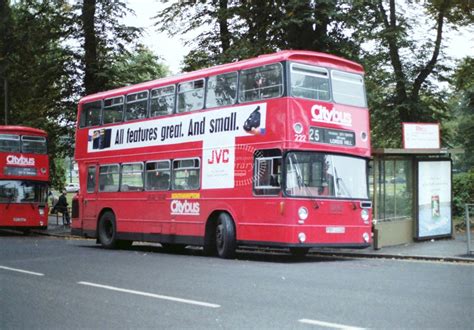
{"points": [[285, 55], [21, 130]]}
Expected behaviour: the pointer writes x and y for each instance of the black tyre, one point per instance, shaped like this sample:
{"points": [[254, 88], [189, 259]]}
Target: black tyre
{"points": [[108, 231], [225, 236], [299, 251]]}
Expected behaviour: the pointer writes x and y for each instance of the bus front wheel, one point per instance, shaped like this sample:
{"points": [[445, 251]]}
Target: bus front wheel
{"points": [[108, 231], [225, 236]]}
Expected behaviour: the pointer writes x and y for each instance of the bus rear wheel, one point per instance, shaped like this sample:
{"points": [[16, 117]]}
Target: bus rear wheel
{"points": [[108, 231], [225, 236]]}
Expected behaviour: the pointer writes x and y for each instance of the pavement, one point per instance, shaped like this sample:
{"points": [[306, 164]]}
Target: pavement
{"points": [[450, 250]]}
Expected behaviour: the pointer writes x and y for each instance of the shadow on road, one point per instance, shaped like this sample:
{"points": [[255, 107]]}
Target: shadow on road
{"points": [[16, 233], [243, 254]]}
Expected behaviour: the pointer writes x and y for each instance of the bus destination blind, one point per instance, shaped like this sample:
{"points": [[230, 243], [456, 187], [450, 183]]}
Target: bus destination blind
{"points": [[331, 136]]}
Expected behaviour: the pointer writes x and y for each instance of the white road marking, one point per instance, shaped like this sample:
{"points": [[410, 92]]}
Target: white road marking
{"points": [[152, 295], [21, 271], [329, 325]]}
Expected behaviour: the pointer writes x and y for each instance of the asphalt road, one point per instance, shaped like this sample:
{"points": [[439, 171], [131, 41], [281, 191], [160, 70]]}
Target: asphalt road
{"points": [[57, 283]]}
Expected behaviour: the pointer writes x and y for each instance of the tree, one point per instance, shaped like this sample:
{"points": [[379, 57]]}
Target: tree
{"points": [[46, 70], [135, 67], [234, 30], [6, 24], [39, 68], [403, 72], [463, 81], [104, 40], [187, 16]]}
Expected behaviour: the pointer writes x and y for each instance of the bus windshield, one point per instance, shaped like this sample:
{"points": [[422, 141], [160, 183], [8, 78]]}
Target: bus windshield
{"points": [[17, 191], [311, 174]]}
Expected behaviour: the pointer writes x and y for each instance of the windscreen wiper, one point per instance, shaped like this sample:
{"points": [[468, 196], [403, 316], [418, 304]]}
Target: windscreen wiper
{"points": [[340, 184]]}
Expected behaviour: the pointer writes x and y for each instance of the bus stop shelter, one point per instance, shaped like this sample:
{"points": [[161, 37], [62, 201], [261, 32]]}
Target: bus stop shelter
{"points": [[411, 192]]}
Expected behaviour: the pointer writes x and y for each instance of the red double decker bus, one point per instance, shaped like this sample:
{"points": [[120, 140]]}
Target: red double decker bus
{"points": [[24, 178], [271, 151]]}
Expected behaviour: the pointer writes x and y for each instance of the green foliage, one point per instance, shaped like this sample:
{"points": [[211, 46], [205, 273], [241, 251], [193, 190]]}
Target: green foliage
{"points": [[463, 107], [58, 174], [40, 70], [404, 71], [45, 58], [44, 67], [463, 191], [104, 40], [133, 68], [243, 29]]}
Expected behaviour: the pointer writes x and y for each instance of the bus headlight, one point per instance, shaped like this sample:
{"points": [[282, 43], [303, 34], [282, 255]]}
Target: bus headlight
{"points": [[364, 214], [303, 213], [41, 211], [366, 237], [302, 237]]}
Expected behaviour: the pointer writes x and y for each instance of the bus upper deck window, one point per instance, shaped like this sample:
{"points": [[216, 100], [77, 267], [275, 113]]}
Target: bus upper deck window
{"points": [[348, 88], [162, 101], [113, 110], [136, 106], [9, 143], [33, 144], [221, 90], [90, 115], [259, 83], [309, 82], [191, 95]]}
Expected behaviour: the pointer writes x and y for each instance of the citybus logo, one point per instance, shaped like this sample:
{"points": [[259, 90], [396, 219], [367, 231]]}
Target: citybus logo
{"points": [[23, 161], [322, 114], [185, 207]]}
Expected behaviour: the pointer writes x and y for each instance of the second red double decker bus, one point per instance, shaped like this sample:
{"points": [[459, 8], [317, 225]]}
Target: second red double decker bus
{"points": [[270, 151], [24, 178]]}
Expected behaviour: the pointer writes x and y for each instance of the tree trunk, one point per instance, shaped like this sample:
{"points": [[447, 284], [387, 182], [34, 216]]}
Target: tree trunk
{"points": [[90, 47], [428, 69], [390, 24], [223, 25]]}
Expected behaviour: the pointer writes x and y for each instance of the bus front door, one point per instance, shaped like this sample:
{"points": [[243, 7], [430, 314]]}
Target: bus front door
{"points": [[90, 199]]}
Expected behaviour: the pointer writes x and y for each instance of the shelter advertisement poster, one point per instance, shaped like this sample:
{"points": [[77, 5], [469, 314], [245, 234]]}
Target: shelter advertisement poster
{"points": [[434, 199]]}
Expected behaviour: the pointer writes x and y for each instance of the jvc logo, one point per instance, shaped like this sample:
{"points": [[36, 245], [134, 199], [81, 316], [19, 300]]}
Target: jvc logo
{"points": [[23, 161], [322, 114], [184, 208], [219, 156]]}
